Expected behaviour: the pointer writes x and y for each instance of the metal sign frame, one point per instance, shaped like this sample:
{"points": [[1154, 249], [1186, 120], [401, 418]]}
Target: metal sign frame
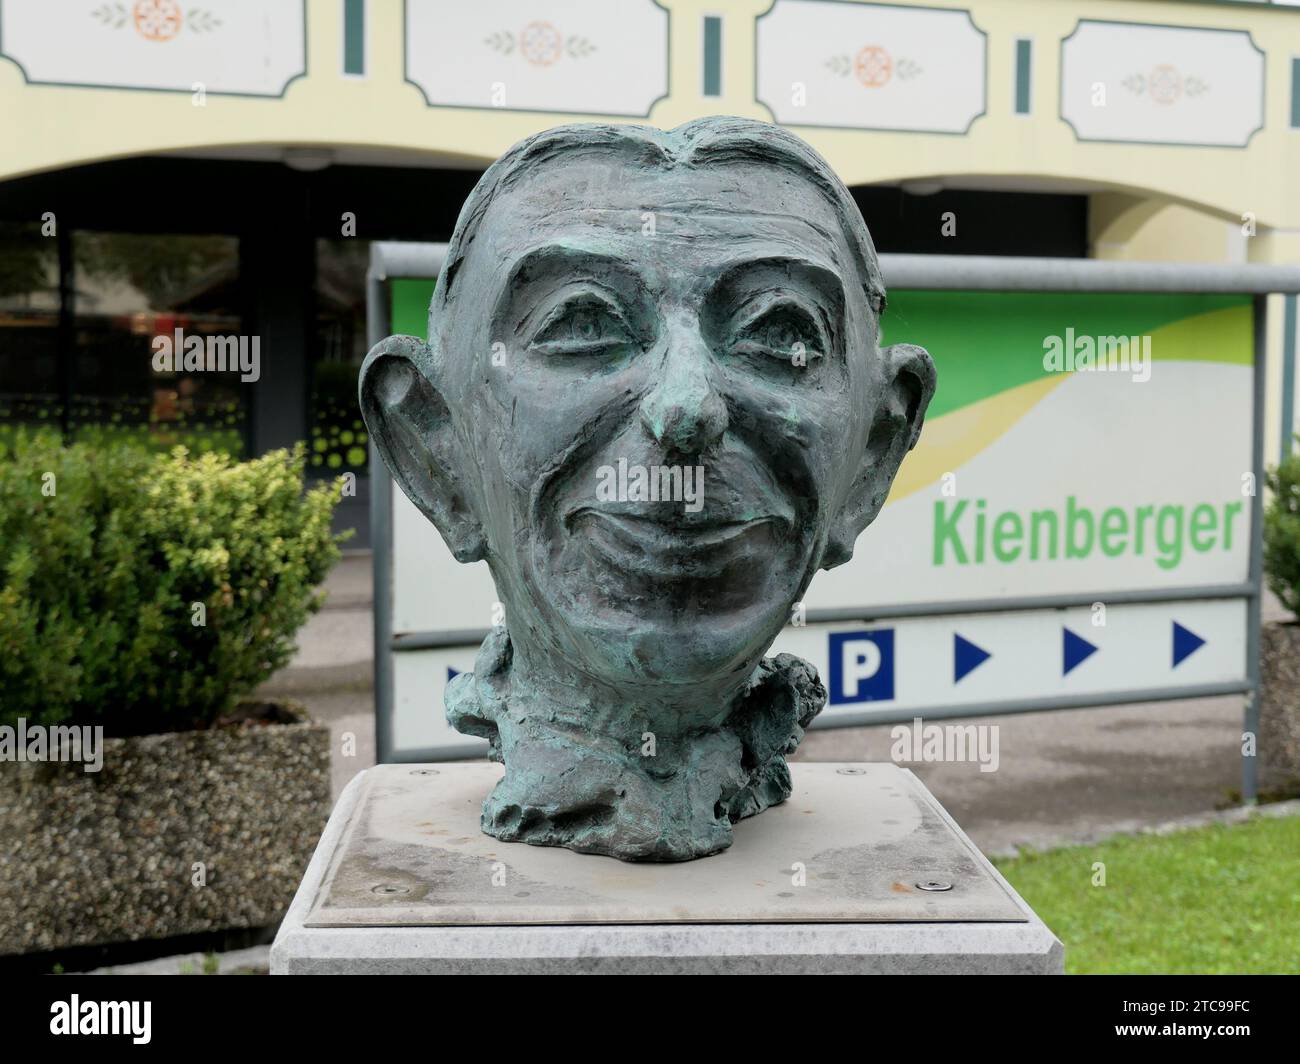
{"points": [[922, 272]]}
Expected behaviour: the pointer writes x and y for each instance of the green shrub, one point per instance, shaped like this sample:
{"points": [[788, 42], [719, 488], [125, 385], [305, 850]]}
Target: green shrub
{"points": [[105, 558], [1282, 532]]}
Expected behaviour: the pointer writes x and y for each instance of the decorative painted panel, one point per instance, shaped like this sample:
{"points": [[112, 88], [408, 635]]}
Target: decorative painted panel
{"points": [[1141, 83], [234, 47], [870, 66], [579, 56]]}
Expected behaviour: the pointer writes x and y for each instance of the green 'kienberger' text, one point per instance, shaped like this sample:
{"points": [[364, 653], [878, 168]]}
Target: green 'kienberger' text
{"points": [[966, 533]]}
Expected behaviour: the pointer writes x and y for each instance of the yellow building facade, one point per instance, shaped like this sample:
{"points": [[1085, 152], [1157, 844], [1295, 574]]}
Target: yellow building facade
{"points": [[385, 112]]}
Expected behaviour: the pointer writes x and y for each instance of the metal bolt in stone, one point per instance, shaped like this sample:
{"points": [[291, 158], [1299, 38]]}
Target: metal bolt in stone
{"points": [[424, 772], [934, 884], [851, 770], [389, 888]]}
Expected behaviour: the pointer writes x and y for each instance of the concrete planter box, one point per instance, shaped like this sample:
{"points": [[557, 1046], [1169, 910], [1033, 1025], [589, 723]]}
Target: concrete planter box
{"points": [[1279, 708], [96, 858]]}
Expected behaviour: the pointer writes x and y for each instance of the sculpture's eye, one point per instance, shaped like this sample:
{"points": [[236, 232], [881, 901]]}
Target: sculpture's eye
{"points": [[586, 325], [785, 331]]}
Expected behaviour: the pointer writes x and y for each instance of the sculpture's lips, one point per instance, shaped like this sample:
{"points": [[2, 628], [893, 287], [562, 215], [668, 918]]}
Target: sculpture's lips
{"points": [[677, 543]]}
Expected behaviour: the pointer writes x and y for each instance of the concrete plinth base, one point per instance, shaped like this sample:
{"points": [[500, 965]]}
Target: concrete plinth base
{"points": [[860, 871]]}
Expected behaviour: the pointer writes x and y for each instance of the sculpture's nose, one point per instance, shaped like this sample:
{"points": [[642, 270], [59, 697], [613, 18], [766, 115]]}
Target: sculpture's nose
{"points": [[684, 411]]}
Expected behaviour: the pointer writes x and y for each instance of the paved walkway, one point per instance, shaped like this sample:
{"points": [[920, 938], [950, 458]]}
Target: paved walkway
{"points": [[1063, 776], [1074, 775]]}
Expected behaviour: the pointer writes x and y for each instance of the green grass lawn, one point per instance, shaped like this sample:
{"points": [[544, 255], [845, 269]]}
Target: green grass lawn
{"points": [[1221, 899]]}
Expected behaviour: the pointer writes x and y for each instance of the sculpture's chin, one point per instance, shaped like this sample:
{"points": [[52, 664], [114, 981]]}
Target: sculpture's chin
{"points": [[671, 800], [617, 646], [648, 609]]}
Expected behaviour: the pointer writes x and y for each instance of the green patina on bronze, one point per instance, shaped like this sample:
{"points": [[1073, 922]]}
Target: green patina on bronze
{"points": [[623, 298]]}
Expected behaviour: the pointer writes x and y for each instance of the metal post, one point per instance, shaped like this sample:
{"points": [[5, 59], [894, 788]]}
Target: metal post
{"points": [[1254, 603], [381, 533], [387, 260]]}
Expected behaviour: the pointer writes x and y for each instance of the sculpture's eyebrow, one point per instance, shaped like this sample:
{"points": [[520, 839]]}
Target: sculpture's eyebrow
{"points": [[563, 261], [824, 279]]}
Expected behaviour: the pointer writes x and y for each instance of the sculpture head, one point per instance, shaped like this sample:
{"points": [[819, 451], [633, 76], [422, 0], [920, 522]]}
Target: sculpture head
{"points": [[654, 400]]}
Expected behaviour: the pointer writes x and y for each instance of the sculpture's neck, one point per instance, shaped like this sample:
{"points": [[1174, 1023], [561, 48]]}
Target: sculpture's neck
{"points": [[611, 775], [543, 683]]}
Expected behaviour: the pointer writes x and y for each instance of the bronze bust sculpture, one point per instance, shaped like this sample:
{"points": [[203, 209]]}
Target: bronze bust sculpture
{"points": [[654, 400]]}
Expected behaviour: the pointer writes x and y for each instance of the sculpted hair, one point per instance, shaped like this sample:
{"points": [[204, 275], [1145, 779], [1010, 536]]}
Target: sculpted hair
{"points": [[698, 143]]}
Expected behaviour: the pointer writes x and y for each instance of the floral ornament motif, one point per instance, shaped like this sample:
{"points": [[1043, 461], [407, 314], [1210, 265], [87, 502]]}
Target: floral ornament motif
{"points": [[1165, 85], [540, 44], [873, 66], [156, 20]]}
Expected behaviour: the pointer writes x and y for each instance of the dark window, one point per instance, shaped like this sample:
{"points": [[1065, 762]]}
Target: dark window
{"points": [[337, 437], [134, 296], [30, 391], [954, 221]]}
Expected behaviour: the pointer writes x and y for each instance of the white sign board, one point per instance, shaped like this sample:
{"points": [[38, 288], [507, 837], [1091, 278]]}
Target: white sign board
{"points": [[526, 55], [235, 47], [870, 66], [1038, 478], [1148, 84]]}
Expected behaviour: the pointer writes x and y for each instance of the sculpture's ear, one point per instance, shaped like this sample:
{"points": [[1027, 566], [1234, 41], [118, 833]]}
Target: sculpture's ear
{"points": [[909, 379], [408, 419]]}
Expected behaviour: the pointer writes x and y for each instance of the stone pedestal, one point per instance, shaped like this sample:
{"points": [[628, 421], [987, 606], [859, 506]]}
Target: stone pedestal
{"points": [[860, 871]]}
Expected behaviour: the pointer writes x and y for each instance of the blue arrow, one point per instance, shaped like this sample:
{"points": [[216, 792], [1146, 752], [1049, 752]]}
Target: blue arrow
{"points": [[451, 674], [1074, 650], [1186, 643], [966, 657]]}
